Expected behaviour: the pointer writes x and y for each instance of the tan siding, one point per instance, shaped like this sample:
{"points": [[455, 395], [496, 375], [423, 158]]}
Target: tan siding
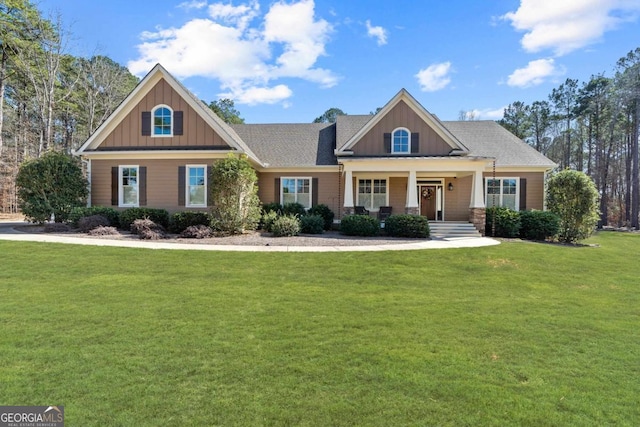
{"points": [[456, 202], [535, 186], [398, 194], [162, 181], [196, 131], [327, 183], [372, 143]]}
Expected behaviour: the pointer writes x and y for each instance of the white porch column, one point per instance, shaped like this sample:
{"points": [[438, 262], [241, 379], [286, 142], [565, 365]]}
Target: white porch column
{"points": [[412, 190], [477, 192], [348, 189]]}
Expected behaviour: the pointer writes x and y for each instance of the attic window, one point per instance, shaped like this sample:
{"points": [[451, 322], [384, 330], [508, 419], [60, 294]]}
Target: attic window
{"points": [[401, 138], [162, 121]]}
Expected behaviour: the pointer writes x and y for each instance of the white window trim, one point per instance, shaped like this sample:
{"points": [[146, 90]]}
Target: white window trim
{"points": [[502, 178], [282, 178], [187, 193], [153, 112], [370, 208], [393, 151], [121, 187]]}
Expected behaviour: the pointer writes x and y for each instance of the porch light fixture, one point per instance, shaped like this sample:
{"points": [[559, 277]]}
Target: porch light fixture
{"points": [[450, 186]]}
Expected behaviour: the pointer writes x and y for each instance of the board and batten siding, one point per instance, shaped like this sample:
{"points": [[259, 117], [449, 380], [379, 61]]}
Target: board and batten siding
{"points": [[430, 143], [196, 132]]}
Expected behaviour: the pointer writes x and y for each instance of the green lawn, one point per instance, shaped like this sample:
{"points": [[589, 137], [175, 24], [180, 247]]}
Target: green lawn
{"points": [[520, 334]]}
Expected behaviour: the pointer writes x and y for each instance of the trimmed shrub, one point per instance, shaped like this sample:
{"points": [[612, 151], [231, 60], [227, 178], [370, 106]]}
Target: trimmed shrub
{"points": [[312, 224], [56, 227], [405, 225], [267, 220], [128, 216], [104, 231], [539, 225], [148, 230], [180, 221], [294, 209], [272, 207], [573, 196], [78, 213], [507, 222], [359, 225], [326, 214], [199, 231], [88, 223], [287, 225]]}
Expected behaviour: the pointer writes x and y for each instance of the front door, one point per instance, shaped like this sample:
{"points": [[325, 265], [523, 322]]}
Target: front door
{"points": [[428, 198]]}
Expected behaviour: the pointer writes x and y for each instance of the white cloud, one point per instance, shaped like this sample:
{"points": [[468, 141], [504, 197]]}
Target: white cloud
{"points": [[564, 26], [491, 114], [534, 73], [377, 32], [233, 45], [434, 77], [193, 4]]}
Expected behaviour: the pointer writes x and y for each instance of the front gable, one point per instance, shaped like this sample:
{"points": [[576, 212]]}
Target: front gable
{"points": [[194, 127], [134, 129], [426, 136]]}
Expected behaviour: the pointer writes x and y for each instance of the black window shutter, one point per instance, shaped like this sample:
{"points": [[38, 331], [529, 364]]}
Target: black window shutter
{"points": [[114, 186], [177, 122], [387, 142], [181, 185], [314, 192], [208, 189], [415, 142], [523, 194], [146, 123], [276, 197], [142, 185]]}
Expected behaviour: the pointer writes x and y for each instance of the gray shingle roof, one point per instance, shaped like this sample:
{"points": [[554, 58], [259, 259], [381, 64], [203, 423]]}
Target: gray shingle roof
{"points": [[488, 139], [313, 144], [291, 145]]}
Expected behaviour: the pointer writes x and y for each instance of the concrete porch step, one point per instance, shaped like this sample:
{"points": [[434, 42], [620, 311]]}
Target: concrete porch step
{"points": [[451, 229]]}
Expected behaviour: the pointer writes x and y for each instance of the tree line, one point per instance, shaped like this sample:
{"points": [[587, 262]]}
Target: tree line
{"points": [[592, 127]]}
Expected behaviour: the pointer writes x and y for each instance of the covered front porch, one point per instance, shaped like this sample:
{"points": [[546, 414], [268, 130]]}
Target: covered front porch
{"points": [[443, 189]]}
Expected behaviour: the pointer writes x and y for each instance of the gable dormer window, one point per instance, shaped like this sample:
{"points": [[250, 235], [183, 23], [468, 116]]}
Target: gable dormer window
{"points": [[401, 138], [162, 117]]}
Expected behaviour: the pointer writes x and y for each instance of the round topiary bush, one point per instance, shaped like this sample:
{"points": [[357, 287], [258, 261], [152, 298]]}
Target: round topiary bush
{"points": [[267, 220], [287, 225], [312, 224], [294, 209], [405, 225], [359, 225]]}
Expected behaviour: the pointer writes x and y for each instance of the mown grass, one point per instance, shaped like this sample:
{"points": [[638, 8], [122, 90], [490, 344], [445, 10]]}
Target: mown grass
{"points": [[517, 334]]}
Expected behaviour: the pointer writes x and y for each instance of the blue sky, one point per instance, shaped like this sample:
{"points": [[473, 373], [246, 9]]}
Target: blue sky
{"points": [[289, 61]]}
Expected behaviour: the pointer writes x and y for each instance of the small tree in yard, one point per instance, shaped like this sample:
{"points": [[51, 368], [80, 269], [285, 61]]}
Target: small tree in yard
{"points": [[234, 195], [51, 184], [573, 196]]}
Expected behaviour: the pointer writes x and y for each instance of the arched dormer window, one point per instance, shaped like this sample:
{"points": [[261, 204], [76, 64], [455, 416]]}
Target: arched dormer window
{"points": [[401, 141], [162, 116]]}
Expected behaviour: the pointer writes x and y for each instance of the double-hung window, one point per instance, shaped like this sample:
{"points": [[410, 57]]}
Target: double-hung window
{"points": [[129, 186], [502, 192], [401, 141], [296, 190], [372, 193], [196, 180], [162, 117]]}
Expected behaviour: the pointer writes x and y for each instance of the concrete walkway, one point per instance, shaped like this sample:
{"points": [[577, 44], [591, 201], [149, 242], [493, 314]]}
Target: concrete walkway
{"points": [[8, 232]]}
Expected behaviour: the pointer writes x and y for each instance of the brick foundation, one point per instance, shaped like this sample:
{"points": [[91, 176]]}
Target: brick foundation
{"points": [[348, 211], [412, 211], [477, 216]]}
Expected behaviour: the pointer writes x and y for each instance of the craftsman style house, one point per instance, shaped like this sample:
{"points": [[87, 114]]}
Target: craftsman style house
{"points": [[155, 150]]}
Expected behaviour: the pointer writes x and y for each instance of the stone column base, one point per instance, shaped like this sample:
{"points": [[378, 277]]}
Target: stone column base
{"points": [[478, 216], [412, 211], [348, 210]]}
